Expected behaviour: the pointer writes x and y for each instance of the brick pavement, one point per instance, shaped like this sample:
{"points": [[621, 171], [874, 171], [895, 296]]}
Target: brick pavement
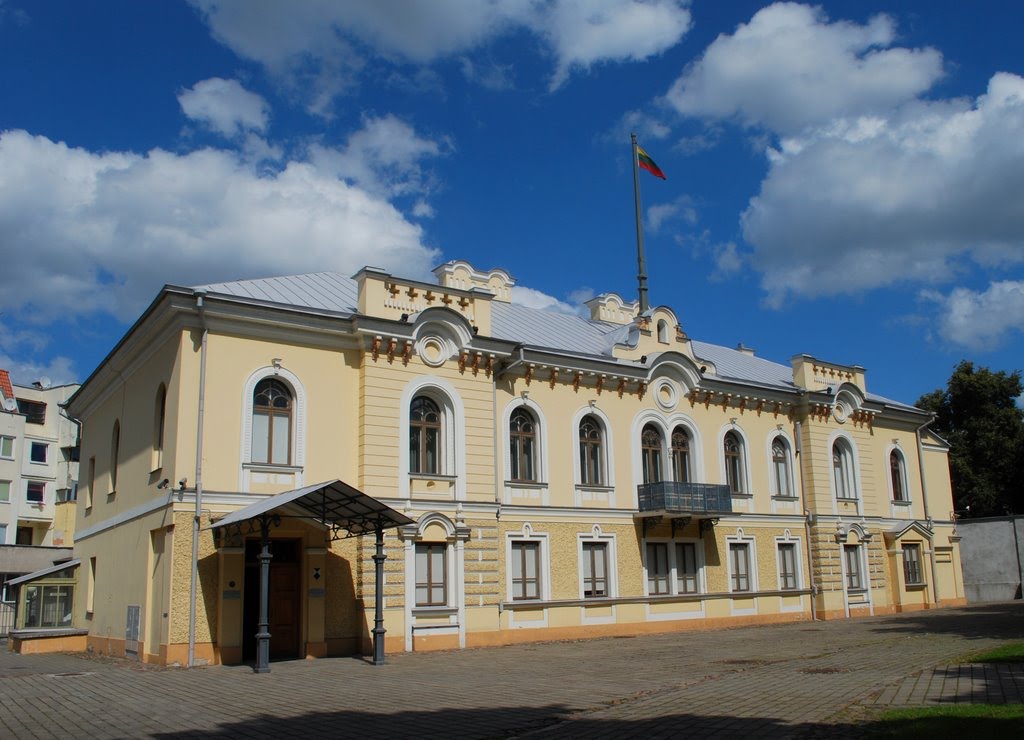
{"points": [[796, 680]]}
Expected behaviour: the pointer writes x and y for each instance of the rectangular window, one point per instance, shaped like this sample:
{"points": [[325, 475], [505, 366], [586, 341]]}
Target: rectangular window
{"points": [[854, 578], [34, 411], [787, 566], [912, 574], [595, 569], [686, 568], [92, 483], [431, 574], [34, 492], [5, 491], [3, 541], [739, 560], [90, 593], [48, 606], [657, 568], [38, 454], [7, 448], [525, 570]]}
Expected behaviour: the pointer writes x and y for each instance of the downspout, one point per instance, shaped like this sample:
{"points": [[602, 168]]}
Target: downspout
{"points": [[927, 517], [798, 428], [201, 308]]}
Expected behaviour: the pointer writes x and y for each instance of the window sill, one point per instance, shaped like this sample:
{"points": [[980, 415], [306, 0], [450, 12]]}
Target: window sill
{"points": [[846, 500], [594, 487], [901, 503], [916, 586], [784, 498], [271, 467], [433, 611], [742, 495], [531, 484]]}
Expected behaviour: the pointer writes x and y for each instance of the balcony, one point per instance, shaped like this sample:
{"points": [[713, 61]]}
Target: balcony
{"points": [[701, 500]]}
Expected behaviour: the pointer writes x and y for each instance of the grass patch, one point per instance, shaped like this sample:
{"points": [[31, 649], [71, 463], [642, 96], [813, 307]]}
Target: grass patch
{"points": [[970, 720], [1012, 653]]}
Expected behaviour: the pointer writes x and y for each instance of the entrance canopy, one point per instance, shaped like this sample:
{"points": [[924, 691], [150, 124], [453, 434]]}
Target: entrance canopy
{"points": [[345, 510]]}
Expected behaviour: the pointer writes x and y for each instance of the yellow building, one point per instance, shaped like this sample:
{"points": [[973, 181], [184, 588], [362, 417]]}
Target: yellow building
{"points": [[543, 476]]}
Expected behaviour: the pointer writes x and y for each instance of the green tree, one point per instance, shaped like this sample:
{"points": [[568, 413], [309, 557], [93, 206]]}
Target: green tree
{"points": [[978, 415]]}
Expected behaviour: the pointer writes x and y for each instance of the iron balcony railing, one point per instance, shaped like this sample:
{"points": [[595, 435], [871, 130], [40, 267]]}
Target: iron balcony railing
{"points": [[685, 498]]}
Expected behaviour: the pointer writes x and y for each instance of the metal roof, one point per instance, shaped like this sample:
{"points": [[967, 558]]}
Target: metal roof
{"points": [[45, 572], [329, 291], [333, 504]]}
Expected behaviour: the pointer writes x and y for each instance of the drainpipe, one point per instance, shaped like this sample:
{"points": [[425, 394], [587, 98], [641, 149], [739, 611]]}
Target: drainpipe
{"points": [[797, 429], [201, 308], [924, 497]]}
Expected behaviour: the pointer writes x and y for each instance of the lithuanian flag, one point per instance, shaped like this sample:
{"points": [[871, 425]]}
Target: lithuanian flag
{"points": [[645, 161]]}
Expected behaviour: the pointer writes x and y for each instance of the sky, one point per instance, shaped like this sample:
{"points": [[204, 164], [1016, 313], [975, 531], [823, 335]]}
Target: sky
{"points": [[844, 180]]}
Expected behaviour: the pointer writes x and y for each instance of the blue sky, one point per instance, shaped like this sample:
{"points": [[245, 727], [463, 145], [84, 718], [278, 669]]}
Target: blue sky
{"points": [[845, 180]]}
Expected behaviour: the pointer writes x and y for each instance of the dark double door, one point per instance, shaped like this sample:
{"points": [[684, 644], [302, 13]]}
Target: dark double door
{"points": [[285, 606]]}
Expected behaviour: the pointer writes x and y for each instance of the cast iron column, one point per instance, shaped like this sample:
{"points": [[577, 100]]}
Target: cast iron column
{"points": [[263, 635], [378, 620]]}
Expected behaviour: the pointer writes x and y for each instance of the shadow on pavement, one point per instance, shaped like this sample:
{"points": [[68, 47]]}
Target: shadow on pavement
{"points": [[1004, 620]]}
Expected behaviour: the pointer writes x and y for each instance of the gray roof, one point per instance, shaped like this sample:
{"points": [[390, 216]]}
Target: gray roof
{"points": [[559, 332]]}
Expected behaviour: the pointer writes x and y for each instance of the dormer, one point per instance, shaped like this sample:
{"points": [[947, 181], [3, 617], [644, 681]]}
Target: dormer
{"points": [[817, 375], [652, 333], [461, 275], [611, 308]]}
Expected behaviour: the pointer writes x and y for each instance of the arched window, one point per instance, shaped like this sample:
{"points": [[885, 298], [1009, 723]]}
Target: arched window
{"points": [[424, 436], [842, 470], [680, 455], [272, 422], [780, 467], [898, 474], [650, 448], [663, 331], [732, 448], [591, 452], [522, 435], [115, 452]]}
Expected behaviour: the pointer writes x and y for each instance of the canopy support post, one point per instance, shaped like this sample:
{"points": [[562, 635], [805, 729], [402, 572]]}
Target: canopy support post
{"points": [[263, 634], [378, 619]]}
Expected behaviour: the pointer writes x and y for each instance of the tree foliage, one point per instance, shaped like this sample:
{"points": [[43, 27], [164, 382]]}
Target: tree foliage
{"points": [[977, 414]]}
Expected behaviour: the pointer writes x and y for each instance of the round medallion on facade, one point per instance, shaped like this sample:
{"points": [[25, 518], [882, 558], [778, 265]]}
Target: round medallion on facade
{"points": [[666, 395], [841, 411], [433, 350]]}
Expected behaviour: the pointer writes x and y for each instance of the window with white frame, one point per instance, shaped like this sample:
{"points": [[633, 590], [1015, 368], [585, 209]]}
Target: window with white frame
{"points": [[680, 454], [842, 470], [854, 571], [3, 541], [7, 448], [595, 569], [898, 476], [37, 452], [431, 574], [592, 448], [651, 450], [525, 566], [781, 473], [657, 568], [739, 566], [788, 578], [735, 465], [272, 407], [425, 436], [522, 436], [5, 491], [686, 568], [912, 573]]}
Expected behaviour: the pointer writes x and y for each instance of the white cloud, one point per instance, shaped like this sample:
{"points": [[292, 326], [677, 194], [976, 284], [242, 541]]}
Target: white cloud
{"points": [[874, 201], [532, 298], [322, 45], [83, 232], [29, 341], [789, 67], [225, 106], [680, 209], [382, 157], [981, 320]]}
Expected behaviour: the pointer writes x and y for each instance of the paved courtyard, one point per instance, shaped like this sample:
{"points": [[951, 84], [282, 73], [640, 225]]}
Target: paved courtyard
{"points": [[796, 680]]}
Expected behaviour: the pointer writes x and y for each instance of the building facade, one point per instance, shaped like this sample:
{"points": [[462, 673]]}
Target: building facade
{"points": [[564, 476]]}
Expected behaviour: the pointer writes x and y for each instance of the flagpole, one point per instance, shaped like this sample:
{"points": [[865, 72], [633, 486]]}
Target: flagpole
{"points": [[641, 265]]}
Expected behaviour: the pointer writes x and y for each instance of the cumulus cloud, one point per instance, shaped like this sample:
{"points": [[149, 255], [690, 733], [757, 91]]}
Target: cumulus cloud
{"points": [[225, 107], [323, 46], [532, 298], [981, 320], [384, 157], [879, 200], [84, 232], [680, 209], [790, 67]]}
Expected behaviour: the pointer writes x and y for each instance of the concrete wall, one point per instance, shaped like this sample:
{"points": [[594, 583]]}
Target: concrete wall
{"points": [[993, 557]]}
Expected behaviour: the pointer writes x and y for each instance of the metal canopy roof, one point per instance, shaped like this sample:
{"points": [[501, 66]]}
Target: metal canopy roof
{"points": [[334, 504]]}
